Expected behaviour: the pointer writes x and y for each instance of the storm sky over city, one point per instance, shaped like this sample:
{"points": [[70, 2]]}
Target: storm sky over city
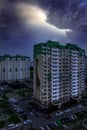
{"points": [[24, 23]]}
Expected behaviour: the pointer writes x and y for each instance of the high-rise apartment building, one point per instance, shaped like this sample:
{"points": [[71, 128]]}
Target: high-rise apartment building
{"points": [[14, 68], [59, 73]]}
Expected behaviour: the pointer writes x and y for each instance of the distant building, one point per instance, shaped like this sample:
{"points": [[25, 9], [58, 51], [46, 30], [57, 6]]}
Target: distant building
{"points": [[59, 73], [13, 68]]}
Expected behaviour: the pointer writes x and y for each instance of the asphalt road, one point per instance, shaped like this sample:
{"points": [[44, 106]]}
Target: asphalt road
{"points": [[42, 121]]}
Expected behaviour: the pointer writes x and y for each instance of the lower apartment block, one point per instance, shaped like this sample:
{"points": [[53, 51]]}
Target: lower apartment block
{"points": [[59, 73], [14, 68]]}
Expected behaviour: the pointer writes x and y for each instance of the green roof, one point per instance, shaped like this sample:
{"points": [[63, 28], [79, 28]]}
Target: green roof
{"points": [[52, 44], [73, 47], [16, 57]]}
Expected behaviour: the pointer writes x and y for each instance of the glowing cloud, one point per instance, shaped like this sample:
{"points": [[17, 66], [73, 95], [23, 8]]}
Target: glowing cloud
{"points": [[34, 15]]}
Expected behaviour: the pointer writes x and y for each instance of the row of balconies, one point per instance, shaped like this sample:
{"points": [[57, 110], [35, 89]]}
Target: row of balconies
{"points": [[58, 95], [74, 94], [55, 56], [74, 90], [74, 74], [75, 77], [55, 95], [74, 67]]}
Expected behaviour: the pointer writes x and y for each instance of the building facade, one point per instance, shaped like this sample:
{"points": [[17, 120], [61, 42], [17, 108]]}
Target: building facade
{"points": [[59, 73], [13, 68]]}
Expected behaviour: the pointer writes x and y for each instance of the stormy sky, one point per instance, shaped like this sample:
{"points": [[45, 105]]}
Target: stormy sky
{"points": [[24, 23]]}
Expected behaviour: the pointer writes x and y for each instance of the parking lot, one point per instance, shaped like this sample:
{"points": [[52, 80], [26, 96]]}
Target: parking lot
{"points": [[40, 120], [18, 112]]}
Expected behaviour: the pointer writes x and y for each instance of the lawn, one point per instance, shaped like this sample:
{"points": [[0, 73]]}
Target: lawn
{"points": [[24, 92], [85, 121], [14, 119], [2, 124], [85, 112], [85, 96], [24, 117], [4, 97], [72, 122], [79, 128], [59, 128], [4, 105], [69, 123], [81, 115], [21, 93], [8, 111], [1, 99]]}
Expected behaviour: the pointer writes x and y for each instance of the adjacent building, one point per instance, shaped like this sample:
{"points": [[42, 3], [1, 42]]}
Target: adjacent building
{"points": [[59, 73], [13, 68]]}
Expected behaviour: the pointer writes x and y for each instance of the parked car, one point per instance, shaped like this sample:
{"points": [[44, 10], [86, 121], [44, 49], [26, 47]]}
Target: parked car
{"points": [[58, 113], [79, 106], [27, 122], [41, 128], [31, 114], [47, 127], [56, 124], [12, 126], [65, 120], [19, 110], [75, 116], [67, 110], [53, 125], [70, 118]]}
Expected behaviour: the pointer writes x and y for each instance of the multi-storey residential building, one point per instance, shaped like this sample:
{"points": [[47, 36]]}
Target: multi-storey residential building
{"points": [[59, 73], [14, 68]]}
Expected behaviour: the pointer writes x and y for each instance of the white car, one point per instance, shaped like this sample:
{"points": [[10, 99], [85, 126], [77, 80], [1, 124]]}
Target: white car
{"points": [[72, 117], [56, 124], [47, 127], [67, 110], [31, 114], [75, 116], [27, 121], [58, 113], [79, 106], [41, 128], [12, 126], [18, 110]]}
